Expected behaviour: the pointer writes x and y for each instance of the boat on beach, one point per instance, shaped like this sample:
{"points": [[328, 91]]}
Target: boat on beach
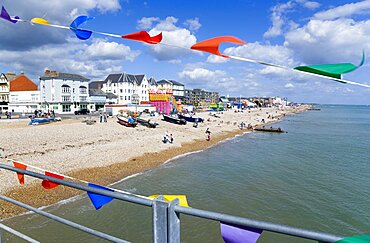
{"points": [[128, 122], [146, 122], [269, 129], [42, 120], [190, 118], [173, 119]]}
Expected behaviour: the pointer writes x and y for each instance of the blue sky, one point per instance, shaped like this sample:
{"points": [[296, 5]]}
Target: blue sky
{"points": [[290, 33]]}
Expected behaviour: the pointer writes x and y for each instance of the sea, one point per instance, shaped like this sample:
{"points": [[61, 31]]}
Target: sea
{"points": [[316, 176]]}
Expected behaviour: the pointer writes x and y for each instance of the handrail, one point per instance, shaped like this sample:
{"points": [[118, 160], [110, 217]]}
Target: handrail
{"points": [[64, 221], [174, 209], [16, 233]]}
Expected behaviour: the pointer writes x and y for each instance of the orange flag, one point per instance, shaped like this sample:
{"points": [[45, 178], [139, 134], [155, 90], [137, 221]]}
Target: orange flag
{"points": [[20, 175], [144, 37], [211, 45], [49, 184]]}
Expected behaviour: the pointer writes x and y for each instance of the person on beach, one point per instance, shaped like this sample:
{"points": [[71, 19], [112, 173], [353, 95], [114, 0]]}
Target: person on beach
{"points": [[171, 138], [208, 132], [101, 116], [165, 137], [105, 116]]}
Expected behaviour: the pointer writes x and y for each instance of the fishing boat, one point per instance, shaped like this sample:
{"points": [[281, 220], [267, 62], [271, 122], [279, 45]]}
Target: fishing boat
{"points": [[269, 129], [146, 122], [190, 118], [128, 122], [42, 120], [173, 119]]}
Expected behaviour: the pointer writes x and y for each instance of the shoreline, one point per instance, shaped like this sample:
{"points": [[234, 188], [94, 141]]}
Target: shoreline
{"points": [[115, 172]]}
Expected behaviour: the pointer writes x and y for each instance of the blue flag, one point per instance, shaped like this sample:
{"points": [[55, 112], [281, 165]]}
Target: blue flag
{"points": [[99, 200], [80, 33]]}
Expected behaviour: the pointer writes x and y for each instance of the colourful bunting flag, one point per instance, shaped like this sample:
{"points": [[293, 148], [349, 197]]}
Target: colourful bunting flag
{"points": [[99, 200], [355, 239], [20, 175], [40, 21], [332, 70], [239, 234], [49, 184], [212, 45], [183, 202], [144, 37], [4, 15], [80, 33]]}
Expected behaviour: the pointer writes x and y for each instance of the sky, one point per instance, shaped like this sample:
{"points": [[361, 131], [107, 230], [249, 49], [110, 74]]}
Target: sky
{"points": [[289, 33]]}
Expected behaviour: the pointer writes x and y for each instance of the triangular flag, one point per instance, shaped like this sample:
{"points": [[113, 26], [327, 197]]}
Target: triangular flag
{"points": [[211, 45], [239, 234], [144, 37], [4, 15], [81, 33], [183, 202], [40, 21], [49, 184], [99, 200], [20, 175], [355, 239]]}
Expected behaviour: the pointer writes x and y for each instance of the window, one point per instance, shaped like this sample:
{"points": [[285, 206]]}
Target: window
{"points": [[128, 90], [66, 108], [128, 97], [83, 90], [121, 90], [125, 97], [66, 98], [83, 98], [34, 97], [66, 89]]}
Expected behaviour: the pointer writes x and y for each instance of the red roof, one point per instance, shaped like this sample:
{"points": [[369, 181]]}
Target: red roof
{"points": [[22, 83]]}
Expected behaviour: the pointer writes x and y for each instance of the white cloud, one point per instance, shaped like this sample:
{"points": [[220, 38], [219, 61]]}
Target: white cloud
{"points": [[193, 24], [278, 19], [289, 86], [346, 10], [101, 49], [147, 22], [72, 57], [172, 36], [202, 74], [326, 41], [216, 59], [268, 53]]}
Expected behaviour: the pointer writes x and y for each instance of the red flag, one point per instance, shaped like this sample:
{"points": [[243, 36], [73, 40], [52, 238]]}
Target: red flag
{"points": [[144, 37], [49, 184], [20, 175], [211, 45]]}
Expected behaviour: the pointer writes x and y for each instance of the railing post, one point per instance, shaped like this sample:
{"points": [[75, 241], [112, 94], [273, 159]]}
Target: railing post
{"points": [[173, 222], [160, 220]]}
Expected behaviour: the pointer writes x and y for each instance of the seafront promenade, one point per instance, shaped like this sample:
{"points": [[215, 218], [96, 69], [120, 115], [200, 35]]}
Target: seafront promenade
{"points": [[107, 152]]}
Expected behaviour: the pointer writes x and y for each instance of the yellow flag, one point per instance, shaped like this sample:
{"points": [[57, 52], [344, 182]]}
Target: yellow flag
{"points": [[168, 198], [40, 21]]}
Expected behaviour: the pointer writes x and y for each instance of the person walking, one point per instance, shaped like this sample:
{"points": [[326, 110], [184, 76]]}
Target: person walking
{"points": [[208, 132], [171, 138], [101, 116]]}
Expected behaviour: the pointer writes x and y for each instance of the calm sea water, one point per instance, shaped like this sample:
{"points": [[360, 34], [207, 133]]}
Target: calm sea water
{"points": [[316, 176]]}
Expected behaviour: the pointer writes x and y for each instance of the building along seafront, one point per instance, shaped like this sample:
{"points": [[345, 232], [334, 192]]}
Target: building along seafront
{"points": [[64, 93], [128, 86], [177, 88], [24, 97], [5, 90]]}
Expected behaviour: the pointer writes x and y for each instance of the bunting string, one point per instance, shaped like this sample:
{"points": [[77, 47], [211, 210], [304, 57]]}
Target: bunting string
{"points": [[97, 200], [328, 71]]}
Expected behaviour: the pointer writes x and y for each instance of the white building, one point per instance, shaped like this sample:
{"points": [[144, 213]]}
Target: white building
{"points": [[178, 89], [24, 96], [125, 86], [64, 92], [4, 89]]}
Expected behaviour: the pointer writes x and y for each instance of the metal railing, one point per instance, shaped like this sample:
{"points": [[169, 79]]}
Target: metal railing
{"points": [[166, 216]]}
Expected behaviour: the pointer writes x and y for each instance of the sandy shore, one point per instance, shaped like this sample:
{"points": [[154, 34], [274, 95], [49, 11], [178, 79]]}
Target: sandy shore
{"points": [[104, 153]]}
